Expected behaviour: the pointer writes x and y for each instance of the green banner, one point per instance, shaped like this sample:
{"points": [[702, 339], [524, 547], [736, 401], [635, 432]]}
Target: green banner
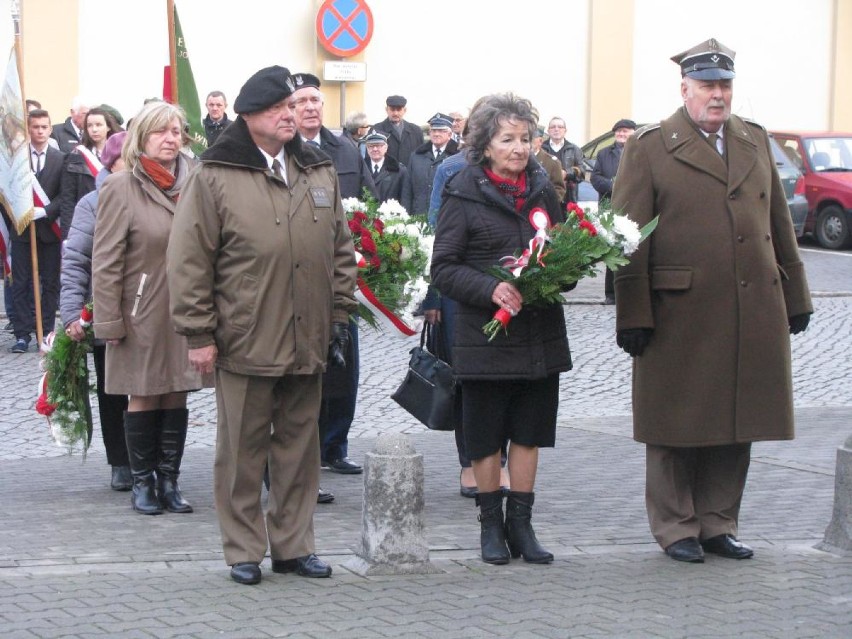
{"points": [[187, 96]]}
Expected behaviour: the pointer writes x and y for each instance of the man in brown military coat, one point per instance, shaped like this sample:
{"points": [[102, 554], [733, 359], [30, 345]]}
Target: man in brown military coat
{"points": [[706, 307]]}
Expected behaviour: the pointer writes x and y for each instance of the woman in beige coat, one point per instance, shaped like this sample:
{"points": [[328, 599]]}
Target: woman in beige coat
{"points": [[145, 358]]}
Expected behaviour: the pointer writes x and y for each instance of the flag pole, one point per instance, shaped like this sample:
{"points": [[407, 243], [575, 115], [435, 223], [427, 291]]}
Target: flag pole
{"points": [[173, 79], [19, 58]]}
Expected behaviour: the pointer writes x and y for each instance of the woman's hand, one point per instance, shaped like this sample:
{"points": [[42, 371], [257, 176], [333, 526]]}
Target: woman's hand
{"points": [[202, 359], [75, 331], [508, 298]]}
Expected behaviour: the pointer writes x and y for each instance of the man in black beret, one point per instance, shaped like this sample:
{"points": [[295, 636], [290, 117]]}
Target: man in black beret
{"points": [[403, 137], [603, 175], [251, 289]]}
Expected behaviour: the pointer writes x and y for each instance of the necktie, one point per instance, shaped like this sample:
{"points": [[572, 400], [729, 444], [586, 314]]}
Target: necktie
{"points": [[313, 143], [276, 168], [437, 153], [712, 138], [375, 170], [39, 162]]}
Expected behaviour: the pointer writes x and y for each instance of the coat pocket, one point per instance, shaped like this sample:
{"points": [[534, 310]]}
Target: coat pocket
{"points": [[671, 278], [243, 313]]}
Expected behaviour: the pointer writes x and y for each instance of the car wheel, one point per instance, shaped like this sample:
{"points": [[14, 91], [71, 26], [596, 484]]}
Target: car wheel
{"points": [[831, 228]]}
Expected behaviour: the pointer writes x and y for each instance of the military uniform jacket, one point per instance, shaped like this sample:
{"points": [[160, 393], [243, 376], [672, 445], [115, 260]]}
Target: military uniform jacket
{"points": [[391, 182], [716, 282], [257, 267], [401, 144]]}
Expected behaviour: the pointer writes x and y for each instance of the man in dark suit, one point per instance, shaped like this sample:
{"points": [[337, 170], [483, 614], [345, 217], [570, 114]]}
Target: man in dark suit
{"points": [[603, 175], [403, 137], [425, 161], [71, 132], [388, 174], [340, 385], [706, 307], [46, 163]]}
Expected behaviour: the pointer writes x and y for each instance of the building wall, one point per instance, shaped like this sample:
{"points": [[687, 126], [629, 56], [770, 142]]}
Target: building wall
{"points": [[588, 61]]}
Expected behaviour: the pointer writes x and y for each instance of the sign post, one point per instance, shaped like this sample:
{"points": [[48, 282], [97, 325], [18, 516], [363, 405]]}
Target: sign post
{"points": [[344, 28]]}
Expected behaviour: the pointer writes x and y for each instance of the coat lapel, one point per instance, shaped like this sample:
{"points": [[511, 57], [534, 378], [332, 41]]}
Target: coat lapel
{"points": [[741, 150], [690, 147]]}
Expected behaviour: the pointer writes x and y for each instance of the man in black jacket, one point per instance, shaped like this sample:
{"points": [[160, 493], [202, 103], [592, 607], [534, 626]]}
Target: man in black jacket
{"points": [[425, 160], [69, 134], [216, 119], [403, 137], [46, 163], [388, 174], [569, 155], [603, 175], [340, 385]]}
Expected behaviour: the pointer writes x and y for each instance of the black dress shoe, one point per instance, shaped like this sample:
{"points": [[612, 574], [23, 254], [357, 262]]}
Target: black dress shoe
{"points": [[246, 572], [688, 550], [344, 466], [727, 546], [121, 479], [307, 566], [325, 496]]}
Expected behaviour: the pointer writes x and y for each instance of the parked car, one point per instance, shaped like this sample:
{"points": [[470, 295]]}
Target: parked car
{"points": [[791, 176], [825, 159]]}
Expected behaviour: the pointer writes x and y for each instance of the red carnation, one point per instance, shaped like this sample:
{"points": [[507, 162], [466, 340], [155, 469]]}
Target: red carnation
{"points": [[379, 226], [588, 226], [574, 208], [367, 243], [44, 407]]}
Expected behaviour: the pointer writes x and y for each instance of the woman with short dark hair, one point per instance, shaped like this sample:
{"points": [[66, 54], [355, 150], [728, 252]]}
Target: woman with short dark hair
{"points": [[510, 386]]}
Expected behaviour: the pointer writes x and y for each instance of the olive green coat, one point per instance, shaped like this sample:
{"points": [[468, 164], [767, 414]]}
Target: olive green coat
{"points": [[716, 282]]}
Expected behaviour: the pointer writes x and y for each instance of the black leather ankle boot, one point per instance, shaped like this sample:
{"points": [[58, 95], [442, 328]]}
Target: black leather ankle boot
{"points": [[173, 426], [519, 531], [141, 431], [492, 535]]}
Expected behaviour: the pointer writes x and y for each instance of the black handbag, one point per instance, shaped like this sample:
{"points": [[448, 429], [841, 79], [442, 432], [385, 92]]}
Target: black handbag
{"points": [[428, 391]]}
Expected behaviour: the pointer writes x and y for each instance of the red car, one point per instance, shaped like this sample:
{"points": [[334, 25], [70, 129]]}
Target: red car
{"points": [[825, 159]]}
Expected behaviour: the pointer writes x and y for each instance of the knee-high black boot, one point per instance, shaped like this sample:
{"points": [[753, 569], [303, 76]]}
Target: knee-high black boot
{"points": [[173, 425], [519, 531], [141, 430], [492, 536]]}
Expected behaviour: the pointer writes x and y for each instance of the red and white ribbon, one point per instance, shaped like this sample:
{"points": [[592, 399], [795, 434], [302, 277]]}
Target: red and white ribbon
{"points": [[382, 314], [40, 199], [540, 221], [92, 162]]}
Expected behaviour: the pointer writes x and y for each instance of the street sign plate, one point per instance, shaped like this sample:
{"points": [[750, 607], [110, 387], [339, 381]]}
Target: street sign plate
{"points": [[344, 71]]}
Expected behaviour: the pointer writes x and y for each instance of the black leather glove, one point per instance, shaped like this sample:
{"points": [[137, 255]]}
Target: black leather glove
{"points": [[633, 340], [339, 344], [798, 323]]}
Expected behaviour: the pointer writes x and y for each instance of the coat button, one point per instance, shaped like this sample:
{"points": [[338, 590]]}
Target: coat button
{"points": [[732, 196], [762, 194], [768, 237], [743, 283], [740, 239]]}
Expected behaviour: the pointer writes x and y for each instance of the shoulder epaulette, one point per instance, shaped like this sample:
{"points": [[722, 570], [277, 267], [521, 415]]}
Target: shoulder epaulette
{"points": [[647, 128], [753, 123]]}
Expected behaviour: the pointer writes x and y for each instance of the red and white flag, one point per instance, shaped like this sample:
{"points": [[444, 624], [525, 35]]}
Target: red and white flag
{"points": [[16, 192]]}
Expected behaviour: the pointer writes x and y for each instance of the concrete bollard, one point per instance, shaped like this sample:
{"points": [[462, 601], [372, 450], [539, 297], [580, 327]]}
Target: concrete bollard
{"points": [[392, 526], [838, 535]]}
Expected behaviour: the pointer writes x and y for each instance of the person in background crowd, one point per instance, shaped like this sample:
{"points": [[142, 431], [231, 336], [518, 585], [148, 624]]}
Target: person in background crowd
{"points": [[355, 128], [569, 155], [216, 119], [425, 161], [548, 163], [510, 386], [459, 121], [706, 307], [70, 134], [262, 282], [84, 163], [76, 291], [32, 105], [389, 175], [340, 385], [46, 163], [403, 136], [145, 358], [603, 175]]}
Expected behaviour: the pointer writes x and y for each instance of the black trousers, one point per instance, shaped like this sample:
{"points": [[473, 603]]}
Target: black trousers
{"points": [[111, 410], [49, 262]]}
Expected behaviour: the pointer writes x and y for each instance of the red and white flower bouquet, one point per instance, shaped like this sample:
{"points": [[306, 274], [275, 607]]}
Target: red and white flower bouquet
{"points": [[562, 254], [393, 250]]}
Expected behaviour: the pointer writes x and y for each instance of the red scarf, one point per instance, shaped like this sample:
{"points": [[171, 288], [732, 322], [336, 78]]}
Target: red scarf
{"points": [[160, 175], [516, 189]]}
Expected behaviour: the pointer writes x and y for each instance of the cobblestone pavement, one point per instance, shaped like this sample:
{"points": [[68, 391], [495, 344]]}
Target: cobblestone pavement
{"points": [[76, 562]]}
